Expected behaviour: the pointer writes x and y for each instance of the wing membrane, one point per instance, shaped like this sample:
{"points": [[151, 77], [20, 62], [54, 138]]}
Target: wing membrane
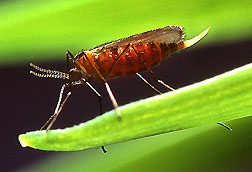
{"points": [[168, 34]]}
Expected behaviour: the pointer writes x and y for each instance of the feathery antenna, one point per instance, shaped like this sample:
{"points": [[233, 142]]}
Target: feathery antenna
{"points": [[46, 73]]}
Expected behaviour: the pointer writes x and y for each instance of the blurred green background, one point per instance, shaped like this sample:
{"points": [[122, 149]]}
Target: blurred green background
{"points": [[33, 30], [41, 32]]}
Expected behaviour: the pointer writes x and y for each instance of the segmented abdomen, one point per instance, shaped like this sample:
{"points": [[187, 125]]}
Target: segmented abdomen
{"points": [[118, 61]]}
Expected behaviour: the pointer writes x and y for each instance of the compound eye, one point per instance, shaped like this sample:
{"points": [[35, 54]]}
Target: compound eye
{"points": [[76, 74]]}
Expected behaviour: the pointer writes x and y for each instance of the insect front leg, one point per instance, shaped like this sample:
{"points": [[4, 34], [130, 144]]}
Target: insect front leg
{"points": [[60, 105], [68, 53], [58, 109]]}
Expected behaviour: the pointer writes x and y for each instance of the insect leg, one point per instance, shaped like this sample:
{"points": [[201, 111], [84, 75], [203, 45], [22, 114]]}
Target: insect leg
{"points": [[52, 119], [114, 102], [224, 125], [140, 76], [103, 149], [68, 53], [98, 95], [87, 83], [151, 72], [100, 102], [112, 98], [58, 110], [60, 105], [151, 86]]}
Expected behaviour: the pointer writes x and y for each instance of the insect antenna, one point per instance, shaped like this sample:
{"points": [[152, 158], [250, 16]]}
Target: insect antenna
{"points": [[47, 73]]}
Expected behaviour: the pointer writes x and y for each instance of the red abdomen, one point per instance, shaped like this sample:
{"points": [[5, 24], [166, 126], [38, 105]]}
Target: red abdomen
{"points": [[118, 61]]}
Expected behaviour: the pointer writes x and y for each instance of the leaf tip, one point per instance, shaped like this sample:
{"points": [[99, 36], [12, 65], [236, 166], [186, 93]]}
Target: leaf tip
{"points": [[22, 140]]}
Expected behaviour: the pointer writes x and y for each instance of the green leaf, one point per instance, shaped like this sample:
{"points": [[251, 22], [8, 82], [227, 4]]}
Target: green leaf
{"points": [[222, 98]]}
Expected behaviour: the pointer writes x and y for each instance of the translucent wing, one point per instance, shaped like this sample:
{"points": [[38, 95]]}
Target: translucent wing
{"points": [[168, 34]]}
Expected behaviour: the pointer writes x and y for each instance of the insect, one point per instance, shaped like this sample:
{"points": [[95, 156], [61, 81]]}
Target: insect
{"points": [[127, 56]]}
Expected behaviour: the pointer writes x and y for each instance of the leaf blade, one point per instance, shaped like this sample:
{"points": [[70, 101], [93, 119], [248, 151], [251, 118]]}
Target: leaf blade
{"points": [[218, 99]]}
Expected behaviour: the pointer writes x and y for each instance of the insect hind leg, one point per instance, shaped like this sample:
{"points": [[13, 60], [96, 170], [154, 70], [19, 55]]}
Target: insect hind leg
{"points": [[151, 86], [151, 72], [224, 125]]}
